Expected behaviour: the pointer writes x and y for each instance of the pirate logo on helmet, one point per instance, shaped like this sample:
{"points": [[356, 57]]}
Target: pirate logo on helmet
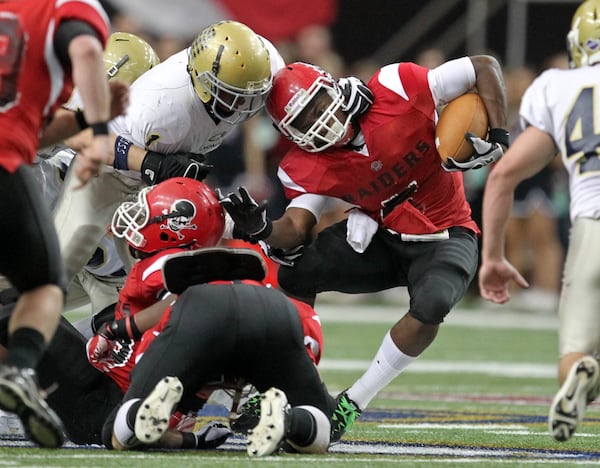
{"points": [[180, 217]]}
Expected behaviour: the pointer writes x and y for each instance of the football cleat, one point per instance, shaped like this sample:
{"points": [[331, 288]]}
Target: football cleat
{"points": [[344, 415], [19, 394], [152, 417], [568, 406], [272, 427], [249, 415]]}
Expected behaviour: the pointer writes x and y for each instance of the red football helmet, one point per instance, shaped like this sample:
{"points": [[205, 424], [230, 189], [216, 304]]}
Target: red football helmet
{"points": [[179, 212], [294, 87]]}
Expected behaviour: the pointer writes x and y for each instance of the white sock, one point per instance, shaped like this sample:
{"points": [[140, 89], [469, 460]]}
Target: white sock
{"points": [[121, 430], [387, 365]]}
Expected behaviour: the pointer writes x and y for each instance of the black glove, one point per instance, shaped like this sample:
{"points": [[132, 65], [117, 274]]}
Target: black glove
{"points": [[486, 152], [157, 167], [248, 216], [357, 97], [285, 257]]}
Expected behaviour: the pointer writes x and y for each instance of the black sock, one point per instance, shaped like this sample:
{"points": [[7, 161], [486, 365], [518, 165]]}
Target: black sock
{"points": [[303, 427], [25, 348]]}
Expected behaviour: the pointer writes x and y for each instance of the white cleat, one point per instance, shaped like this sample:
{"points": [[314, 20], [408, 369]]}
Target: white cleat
{"points": [[152, 418], [265, 438], [568, 407]]}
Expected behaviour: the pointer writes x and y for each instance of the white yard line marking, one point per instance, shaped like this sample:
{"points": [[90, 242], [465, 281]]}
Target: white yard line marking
{"points": [[504, 369]]}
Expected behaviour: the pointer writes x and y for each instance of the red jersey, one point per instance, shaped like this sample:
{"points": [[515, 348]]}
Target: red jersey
{"points": [[399, 133], [143, 287], [311, 326], [33, 83]]}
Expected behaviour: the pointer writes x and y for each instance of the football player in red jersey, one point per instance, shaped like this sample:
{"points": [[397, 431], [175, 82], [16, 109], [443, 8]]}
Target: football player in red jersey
{"points": [[227, 331], [47, 47], [177, 215], [409, 222]]}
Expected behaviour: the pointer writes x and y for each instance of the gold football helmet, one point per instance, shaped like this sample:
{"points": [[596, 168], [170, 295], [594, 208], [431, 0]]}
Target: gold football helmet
{"points": [[127, 56], [230, 70], [583, 40]]}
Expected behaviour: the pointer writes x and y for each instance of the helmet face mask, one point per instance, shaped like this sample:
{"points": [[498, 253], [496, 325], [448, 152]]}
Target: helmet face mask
{"points": [[179, 212], [583, 40], [127, 56], [304, 105], [230, 70]]}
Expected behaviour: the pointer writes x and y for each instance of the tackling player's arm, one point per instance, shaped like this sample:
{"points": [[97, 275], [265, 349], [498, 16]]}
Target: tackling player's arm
{"points": [[528, 154], [289, 231], [292, 229]]}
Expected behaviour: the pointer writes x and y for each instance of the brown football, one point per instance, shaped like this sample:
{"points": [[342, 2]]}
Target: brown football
{"points": [[464, 114]]}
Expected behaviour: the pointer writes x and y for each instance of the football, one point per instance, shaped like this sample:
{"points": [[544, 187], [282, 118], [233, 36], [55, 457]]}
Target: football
{"points": [[464, 114]]}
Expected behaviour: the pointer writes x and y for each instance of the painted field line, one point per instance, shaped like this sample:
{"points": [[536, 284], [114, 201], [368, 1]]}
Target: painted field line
{"points": [[504, 369], [497, 317]]}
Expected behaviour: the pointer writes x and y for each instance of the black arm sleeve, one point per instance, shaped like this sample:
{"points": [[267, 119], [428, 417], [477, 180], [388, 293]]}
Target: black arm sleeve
{"points": [[66, 31]]}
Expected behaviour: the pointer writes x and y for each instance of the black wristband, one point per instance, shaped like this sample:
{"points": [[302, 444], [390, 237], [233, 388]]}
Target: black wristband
{"points": [[124, 329], [150, 168], [80, 118], [122, 146], [99, 128], [499, 135]]}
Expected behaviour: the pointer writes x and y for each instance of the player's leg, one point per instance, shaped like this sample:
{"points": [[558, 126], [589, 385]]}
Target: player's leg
{"points": [[31, 262], [330, 264], [191, 351], [83, 214], [579, 338], [295, 406], [438, 276]]}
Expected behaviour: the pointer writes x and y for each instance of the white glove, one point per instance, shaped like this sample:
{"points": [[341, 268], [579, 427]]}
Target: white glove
{"points": [[486, 152], [281, 256]]}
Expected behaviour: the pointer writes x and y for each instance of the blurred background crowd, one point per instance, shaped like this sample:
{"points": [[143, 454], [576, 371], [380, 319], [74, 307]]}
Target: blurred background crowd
{"points": [[353, 37]]}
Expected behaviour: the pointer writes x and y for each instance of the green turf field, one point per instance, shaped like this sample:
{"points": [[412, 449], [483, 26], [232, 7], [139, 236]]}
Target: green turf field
{"points": [[478, 397]]}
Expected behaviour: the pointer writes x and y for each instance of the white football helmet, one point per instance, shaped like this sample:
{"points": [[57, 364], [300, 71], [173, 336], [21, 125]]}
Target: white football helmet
{"points": [[583, 40]]}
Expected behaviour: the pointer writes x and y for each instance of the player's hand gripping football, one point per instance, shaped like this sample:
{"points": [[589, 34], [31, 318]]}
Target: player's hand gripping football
{"points": [[249, 216], [486, 151]]}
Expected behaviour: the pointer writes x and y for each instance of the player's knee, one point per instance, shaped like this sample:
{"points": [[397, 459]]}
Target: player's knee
{"points": [[432, 308]]}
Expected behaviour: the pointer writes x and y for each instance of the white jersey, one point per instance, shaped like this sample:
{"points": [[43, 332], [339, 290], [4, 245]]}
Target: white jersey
{"points": [[166, 115], [564, 104]]}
